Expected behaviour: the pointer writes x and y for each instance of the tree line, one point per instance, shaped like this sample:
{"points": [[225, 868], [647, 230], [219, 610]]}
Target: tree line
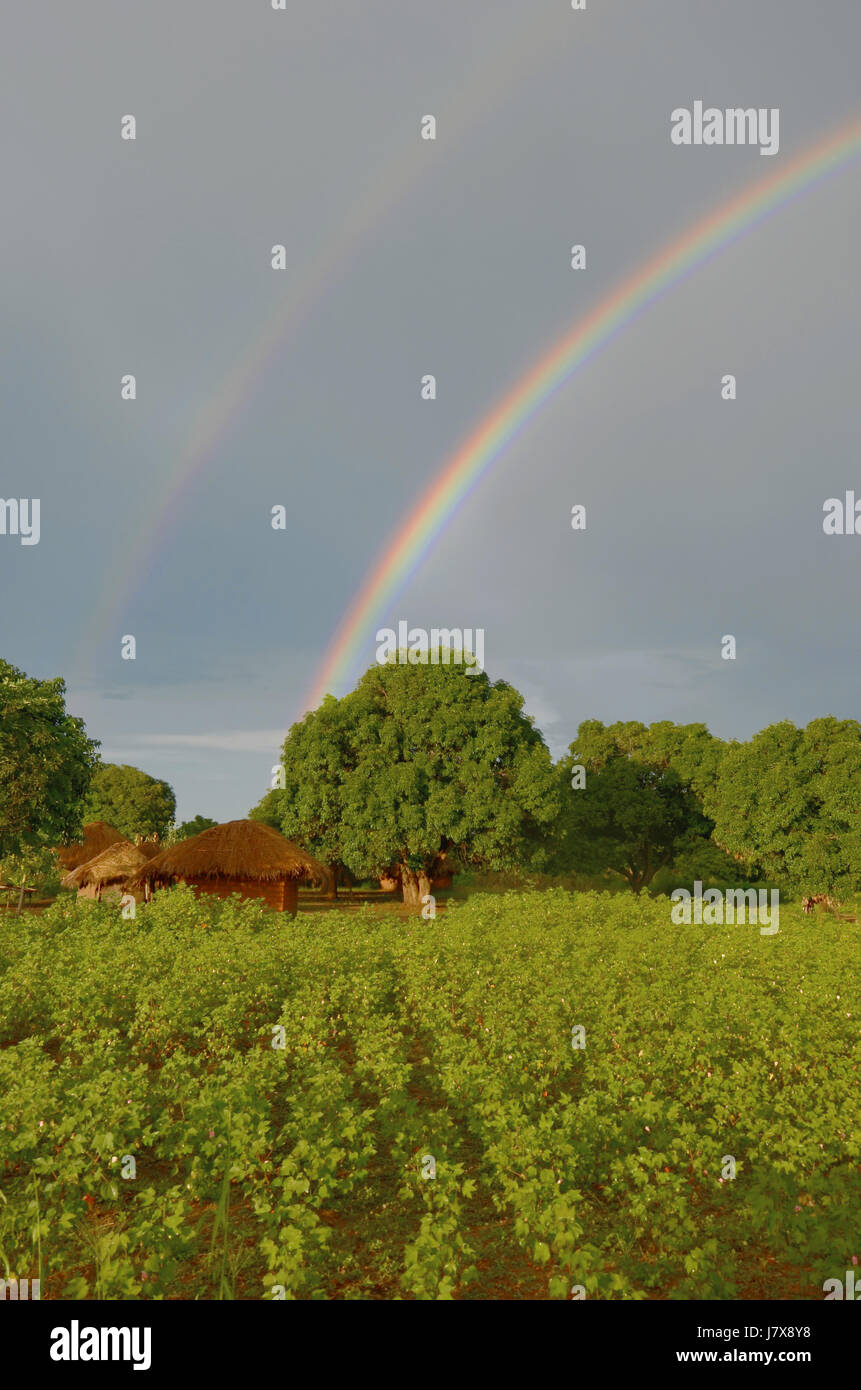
{"points": [[419, 767]]}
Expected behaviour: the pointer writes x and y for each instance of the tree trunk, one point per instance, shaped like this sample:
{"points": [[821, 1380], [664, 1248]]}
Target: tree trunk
{"points": [[415, 885], [332, 885], [21, 896]]}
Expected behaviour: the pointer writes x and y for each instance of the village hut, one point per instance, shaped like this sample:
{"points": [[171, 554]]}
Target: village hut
{"points": [[108, 873], [241, 856], [98, 836]]}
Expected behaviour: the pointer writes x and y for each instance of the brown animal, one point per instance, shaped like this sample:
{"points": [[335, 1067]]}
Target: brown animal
{"points": [[818, 900]]}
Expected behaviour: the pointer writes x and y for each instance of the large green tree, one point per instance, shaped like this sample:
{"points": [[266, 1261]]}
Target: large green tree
{"points": [[418, 761], [630, 817], [46, 763], [790, 801], [636, 801], [130, 800]]}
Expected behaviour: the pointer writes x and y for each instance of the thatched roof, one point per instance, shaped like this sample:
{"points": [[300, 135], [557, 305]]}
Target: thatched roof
{"points": [[240, 849], [115, 864], [98, 835]]}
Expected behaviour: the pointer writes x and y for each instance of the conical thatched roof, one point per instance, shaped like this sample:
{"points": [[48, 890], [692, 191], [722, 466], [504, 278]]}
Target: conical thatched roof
{"points": [[239, 849], [98, 835], [114, 865]]}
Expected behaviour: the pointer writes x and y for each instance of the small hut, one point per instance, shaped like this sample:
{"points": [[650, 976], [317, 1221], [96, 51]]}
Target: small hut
{"points": [[241, 856], [108, 874], [98, 836]]}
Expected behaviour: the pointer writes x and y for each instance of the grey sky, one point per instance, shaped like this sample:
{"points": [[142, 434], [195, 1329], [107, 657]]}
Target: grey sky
{"points": [[405, 257]]}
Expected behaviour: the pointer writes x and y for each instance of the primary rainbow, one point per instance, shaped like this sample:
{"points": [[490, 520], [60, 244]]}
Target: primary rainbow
{"points": [[413, 540]]}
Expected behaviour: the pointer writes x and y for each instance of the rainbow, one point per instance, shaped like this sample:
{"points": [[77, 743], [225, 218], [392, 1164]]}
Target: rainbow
{"points": [[414, 538], [136, 555]]}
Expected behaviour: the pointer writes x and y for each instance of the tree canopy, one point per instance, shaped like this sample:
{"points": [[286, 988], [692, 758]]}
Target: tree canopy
{"points": [[637, 802], [130, 800], [689, 749], [418, 761], [309, 807], [629, 816], [46, 763], [196, 826], [790, 800]]}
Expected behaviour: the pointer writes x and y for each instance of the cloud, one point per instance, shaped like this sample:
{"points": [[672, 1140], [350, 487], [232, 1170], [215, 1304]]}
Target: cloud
{"points": [[228, 741]]}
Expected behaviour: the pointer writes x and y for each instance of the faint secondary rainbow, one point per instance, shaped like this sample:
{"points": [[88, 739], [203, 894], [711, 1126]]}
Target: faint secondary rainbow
{"points": [[136, 553], [401, 558]]}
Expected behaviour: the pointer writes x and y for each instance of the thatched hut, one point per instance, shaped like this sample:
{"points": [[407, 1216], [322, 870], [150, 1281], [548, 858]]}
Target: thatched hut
{"points": [[108, 873], [98, 836], [241, 856]]}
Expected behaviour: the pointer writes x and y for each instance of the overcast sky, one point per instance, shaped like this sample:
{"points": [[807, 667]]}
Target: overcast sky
{"points": [[301, 387]]}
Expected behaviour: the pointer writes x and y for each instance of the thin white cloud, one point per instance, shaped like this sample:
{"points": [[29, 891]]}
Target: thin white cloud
{"points": [[228, 741]]}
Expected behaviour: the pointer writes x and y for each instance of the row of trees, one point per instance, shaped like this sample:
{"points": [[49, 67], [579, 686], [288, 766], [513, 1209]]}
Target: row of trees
{"points": [[783, 806], [419, 763]]}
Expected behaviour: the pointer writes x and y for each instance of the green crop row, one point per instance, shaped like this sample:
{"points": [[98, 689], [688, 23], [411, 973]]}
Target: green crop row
{"points": [[541, 1090]]}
